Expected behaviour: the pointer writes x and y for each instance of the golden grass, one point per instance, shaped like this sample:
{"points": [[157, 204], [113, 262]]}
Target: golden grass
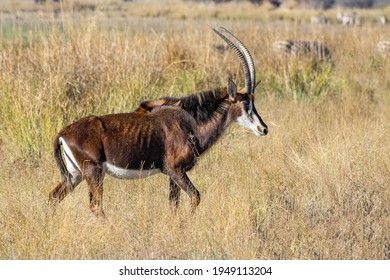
{"points": [[316, 187]]}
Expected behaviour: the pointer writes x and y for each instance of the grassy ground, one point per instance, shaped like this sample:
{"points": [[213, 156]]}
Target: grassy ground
{"points": [[316, 187]]}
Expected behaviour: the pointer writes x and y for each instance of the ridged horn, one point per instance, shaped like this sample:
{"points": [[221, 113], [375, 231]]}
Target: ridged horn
{"points": [[248, 58], [241, 56]]}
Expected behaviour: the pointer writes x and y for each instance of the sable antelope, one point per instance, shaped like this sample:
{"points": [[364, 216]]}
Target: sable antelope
{"points": [[162, 136], [312, 49]]}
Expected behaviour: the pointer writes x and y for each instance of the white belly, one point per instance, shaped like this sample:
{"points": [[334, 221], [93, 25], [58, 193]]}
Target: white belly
{"points": [[123, 173]]}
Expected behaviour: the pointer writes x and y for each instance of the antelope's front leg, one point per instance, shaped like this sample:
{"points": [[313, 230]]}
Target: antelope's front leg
{"points": [[182, 180], [174, 194]]}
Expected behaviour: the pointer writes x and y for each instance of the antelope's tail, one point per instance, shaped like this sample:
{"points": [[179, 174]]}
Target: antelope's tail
{"points": [[57, 151]]}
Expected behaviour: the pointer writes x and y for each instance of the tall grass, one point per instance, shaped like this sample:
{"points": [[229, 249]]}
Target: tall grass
{"points": [[317, 187]]}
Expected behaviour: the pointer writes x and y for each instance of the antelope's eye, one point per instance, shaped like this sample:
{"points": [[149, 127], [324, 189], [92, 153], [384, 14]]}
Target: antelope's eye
{"points": [[248, 106]]}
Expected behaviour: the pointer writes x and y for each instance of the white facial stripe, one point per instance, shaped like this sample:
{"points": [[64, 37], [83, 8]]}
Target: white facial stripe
{"points": [[251, 124], [123, 173], [70, 162]]}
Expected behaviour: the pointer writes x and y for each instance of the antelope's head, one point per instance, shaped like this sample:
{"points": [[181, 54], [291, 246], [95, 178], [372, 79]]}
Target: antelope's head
{"points": [[244, 99]]}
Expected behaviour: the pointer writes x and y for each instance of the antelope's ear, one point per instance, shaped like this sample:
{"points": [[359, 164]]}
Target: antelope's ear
{"points": [[232, 90]]}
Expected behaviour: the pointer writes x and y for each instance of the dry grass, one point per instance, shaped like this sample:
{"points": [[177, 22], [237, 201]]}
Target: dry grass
{"points": [[317, 187]]}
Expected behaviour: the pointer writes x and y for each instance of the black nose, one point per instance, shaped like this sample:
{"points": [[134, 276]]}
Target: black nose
{"points": [[265, 130]]}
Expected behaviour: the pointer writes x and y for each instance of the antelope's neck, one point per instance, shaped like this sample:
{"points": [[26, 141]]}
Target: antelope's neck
{"points": [[210, 131]]}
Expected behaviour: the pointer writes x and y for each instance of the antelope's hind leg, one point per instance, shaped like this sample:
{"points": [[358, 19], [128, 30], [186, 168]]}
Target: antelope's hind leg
{"points": [[63, 189], [94, 174]]}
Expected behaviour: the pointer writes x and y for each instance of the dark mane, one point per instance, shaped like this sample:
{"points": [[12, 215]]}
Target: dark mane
{"points": [[203, 106]]}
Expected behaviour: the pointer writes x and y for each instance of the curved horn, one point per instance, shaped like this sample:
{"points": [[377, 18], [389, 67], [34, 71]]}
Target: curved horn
{"points": [[244, 63], [248, 57]]}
